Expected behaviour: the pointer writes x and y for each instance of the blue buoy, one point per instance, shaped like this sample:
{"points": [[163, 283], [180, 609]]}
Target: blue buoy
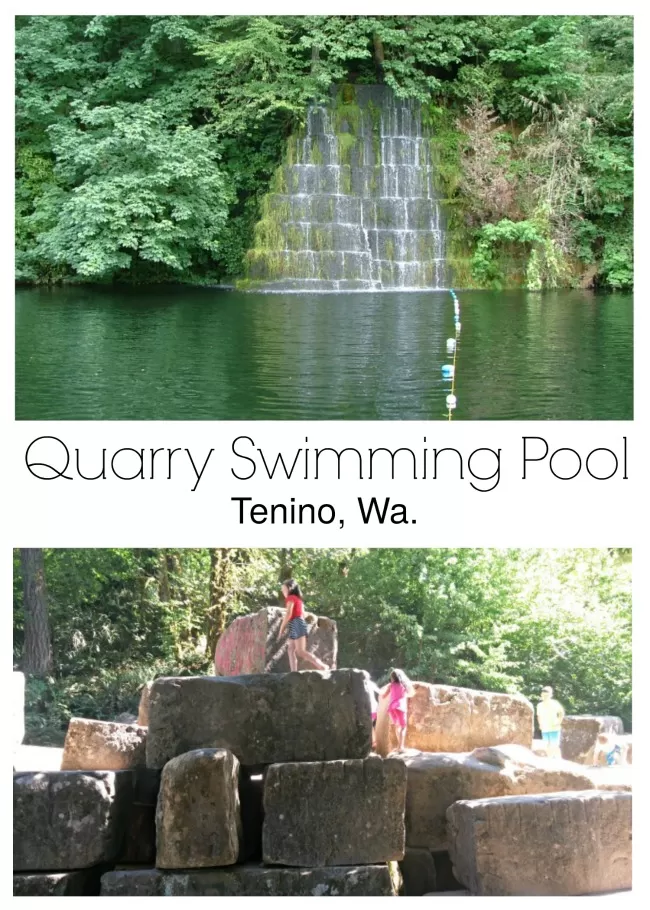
{"points": [[451, 402], [451, 345], [447, 370]]}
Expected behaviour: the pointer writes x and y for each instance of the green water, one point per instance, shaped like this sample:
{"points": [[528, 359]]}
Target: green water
{"points": [[95, 354]]}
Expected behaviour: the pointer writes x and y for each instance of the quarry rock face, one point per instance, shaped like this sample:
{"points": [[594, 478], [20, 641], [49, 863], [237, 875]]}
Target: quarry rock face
{"points": [[437, 780], [580, 732], [251, 644], [452, 719], [334, 813], [198, 822], [272, 717], [253, 881], [143, 707], [554, 844], [100, 745], [66, 820]]}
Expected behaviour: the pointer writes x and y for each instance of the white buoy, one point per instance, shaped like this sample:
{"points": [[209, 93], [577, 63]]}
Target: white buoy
{"points": [[451, 402], [456, 307], [457, 327], [451, 345]]}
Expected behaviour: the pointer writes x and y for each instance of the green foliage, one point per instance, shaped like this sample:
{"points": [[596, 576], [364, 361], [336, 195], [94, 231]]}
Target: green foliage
{"points": [[145, 144], [503, 620]]}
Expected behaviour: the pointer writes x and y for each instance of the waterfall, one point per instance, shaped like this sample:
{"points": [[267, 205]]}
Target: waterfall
{"points": [[354, 207]]}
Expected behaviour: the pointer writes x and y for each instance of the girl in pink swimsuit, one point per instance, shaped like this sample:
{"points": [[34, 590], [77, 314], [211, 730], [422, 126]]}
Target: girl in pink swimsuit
{"points": [[399, 691]]}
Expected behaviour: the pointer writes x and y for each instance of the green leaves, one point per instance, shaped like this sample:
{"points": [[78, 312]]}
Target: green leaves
{"points": [[142, 191]]}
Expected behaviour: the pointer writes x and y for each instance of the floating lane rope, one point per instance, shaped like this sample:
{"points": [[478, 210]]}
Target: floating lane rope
{"points": [[449, 369]]}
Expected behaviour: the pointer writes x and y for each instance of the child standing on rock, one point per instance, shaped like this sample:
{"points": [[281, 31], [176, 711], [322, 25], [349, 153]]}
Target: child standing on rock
{"points": [[399, 691], [294, 617], [550, 715]]}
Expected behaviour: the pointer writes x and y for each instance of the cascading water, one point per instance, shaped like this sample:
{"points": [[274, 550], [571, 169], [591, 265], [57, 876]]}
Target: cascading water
{"points": [[355, 206]]}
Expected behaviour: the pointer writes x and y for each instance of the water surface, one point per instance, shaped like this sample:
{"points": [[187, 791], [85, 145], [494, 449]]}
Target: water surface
{"points": [[179, 354]]}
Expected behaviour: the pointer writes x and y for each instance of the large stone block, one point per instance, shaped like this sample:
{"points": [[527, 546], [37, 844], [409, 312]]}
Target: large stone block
{"points": [[254, 881], [18, 707], [101, 745], [437, 780], [143, 707], [556, 844], [273, 717], [57, 884], [451, 719], [334, 813], [251, 644], [580, 732], [198, 822], [65, 820]]}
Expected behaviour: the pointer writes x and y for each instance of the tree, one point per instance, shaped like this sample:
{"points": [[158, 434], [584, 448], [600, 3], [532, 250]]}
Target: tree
{"points": [[221, 593], [37, 658]]}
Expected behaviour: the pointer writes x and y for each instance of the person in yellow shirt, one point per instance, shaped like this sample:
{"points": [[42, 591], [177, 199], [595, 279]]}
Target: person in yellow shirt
{"points": [[550, 715]]}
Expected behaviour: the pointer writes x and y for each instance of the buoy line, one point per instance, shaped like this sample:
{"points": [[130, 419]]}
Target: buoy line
{"points": [[449, 369]]}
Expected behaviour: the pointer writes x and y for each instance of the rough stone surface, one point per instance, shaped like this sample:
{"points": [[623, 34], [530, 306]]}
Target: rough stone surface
{"points": [[143, 707], [37, 758], [436, 780], [57, 884], [198, 822], [418, 872], [556, 844], [334, 813], [579, 734], [18, 707], [251, 644], [451, 719], [101, 745], [253, 881], [65, 820], [272, 717]]}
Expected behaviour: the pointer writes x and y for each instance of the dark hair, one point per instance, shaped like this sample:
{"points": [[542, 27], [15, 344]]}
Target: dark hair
{"points": [[399, 676], [293, 587]]}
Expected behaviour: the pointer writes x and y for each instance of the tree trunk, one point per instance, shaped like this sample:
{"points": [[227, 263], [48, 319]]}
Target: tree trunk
{"points": [[37, 655], [315, 60], [378, 45], [286, 569], [221, 565]]}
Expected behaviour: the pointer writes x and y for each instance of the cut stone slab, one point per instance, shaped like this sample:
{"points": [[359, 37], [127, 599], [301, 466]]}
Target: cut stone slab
{"points": [[198, 821], [253, 881], [57, 884], [101, 745], [418, 872], [37, 758], [580, 732], [555, 844], [18, 707], [272, 717], [143, 707], [452, 719], [66, 820], [436, 780], [251, 644], [334, 813]]}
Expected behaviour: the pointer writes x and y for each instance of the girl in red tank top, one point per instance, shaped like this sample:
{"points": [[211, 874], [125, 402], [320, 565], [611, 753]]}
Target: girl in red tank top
{"points": [[294, 617]]}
